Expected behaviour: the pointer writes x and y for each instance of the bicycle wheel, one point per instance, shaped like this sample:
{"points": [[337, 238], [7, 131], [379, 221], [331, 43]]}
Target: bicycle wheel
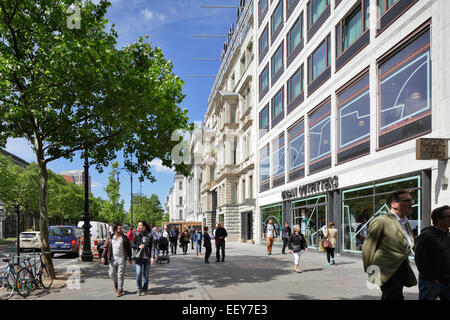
{"points": [[45, 278], [24, 282], [7, 282]]}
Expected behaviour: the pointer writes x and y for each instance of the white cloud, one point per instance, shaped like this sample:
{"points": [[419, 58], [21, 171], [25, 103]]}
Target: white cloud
{"points": [[158, 166], [151, 15], [95, 184]]}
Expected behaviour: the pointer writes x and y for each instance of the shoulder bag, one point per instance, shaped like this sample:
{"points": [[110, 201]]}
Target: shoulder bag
{"points": [[326, 241]]}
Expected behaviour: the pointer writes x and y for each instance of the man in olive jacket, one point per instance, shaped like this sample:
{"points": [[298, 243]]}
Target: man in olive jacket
{"points": [[388, 244]]}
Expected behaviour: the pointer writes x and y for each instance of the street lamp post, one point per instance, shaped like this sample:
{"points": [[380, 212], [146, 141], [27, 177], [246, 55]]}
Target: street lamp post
{"points": [[87, 254]]}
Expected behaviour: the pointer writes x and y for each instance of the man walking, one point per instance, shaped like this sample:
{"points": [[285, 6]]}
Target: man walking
{"points": [[173, 240], [191, 235], [285, 235], [388, 244], [221, 234], [270, 234], [116, 252], [432, 257]]}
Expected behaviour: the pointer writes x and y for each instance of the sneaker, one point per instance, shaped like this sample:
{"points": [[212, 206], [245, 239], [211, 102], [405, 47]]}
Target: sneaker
{"points": [[143, 293], [223, 260], [139, 292], [270, 253]]}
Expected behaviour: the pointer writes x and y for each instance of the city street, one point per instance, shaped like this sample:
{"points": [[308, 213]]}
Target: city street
{"points": [[247, 273]]}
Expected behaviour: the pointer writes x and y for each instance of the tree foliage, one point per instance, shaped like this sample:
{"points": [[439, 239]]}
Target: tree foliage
{"points": [[112, 210], [148, 209]]}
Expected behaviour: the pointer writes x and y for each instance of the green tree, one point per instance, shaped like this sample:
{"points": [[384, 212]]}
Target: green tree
{"points": [[67, 90], [147, 209], [113, 209]]}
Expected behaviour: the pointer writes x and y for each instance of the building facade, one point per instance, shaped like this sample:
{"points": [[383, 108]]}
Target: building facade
{"points": [[76, 177], [345, 88]]}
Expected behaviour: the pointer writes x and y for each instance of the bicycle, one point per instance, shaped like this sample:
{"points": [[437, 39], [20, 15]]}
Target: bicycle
{"points": [[32, 277], [8, 278]]}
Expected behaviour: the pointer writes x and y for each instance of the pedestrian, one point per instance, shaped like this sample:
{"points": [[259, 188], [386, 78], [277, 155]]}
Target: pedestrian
{"points": [[297, 243], [130, 233], [191, 234], [270, 233], [165, 233], [361, 233], [116, 253], [432, 255], [388, 244], [173, 240], [198, 241], [184, 240], [221, 234], [144, 255], [285, 235], [329, 242], [207, 244], [156, 233]]}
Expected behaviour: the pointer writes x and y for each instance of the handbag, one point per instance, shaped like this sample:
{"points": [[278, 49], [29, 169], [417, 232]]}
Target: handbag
{"points": [[327, 242], [137, 254]]}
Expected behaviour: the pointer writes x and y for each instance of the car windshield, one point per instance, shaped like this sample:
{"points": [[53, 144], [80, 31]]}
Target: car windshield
{"points": [[60, 232], [28, 235]]}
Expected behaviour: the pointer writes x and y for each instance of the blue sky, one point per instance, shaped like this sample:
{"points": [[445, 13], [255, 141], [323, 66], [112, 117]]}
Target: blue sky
{"points": [[171, 25]]}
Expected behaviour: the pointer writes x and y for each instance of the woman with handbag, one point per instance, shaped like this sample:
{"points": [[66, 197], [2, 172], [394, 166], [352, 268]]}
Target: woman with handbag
{"points": [[184, 240], [296, 244], [329, 241], [143, 255]]}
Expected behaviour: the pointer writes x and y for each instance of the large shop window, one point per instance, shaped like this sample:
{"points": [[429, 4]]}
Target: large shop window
{"points": [[264, 121], [264, 43], [319, 66], [352, 33], [294, 40], [264, 82], [277, 63], [296, 136], [362, 204], [278, 107], [274, 212], [278, 158], [276, 21], [354, 120], [318, 12], [295, 90], [405, 92], [311, 215], [264, 169], [320, 137]]}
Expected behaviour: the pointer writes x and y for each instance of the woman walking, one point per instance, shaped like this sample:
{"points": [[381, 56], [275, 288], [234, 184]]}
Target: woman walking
{"points": [[144, 255], [207, 244], [184, 240], [198, 237], [329, 241], [296, 244]]}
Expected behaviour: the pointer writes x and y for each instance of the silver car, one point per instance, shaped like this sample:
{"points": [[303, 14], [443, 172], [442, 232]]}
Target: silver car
{"points": [[30, 240]]}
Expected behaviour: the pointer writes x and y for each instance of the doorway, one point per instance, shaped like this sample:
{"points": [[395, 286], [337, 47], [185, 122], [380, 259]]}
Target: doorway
{"points": [[247, 225]]}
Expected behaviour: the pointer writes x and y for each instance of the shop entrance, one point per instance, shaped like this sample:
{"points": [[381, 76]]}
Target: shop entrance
{"points": [[311, 214], [247, 225]]}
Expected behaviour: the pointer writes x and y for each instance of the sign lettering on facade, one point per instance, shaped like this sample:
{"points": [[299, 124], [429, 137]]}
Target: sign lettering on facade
{"points": [[431, 149], [324, 185]]}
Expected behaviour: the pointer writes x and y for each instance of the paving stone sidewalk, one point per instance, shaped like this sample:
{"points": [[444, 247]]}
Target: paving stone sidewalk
{"points": [[247, 274]]}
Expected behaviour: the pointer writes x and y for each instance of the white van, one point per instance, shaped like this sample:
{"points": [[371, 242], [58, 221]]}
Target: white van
{"points": [[99, 233]]}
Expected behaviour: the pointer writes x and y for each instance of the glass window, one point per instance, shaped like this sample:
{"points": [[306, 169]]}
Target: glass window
{"points": [[319, 128], [315, 9], [278, 157], [277, 104], [275, 213], [277, 60], [384, 5], [264, 79], [352, 26], [319, 61], [295, 85], [264, 118], [60, 231], [296, 147], [262, 7], [295, 35], [362, 204], [405, 92], [264, 168], [277, 17], [263, 41], [354, 113]]}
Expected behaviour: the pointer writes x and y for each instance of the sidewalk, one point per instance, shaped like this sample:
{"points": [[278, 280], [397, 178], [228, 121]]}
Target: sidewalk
{"points": [[247, 274]]}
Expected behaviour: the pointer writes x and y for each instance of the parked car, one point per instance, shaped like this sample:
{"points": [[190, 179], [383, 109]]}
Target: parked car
{"points": [[65, 239], [30, 240]]}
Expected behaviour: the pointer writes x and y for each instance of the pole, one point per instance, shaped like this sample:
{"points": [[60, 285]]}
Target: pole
{"points": [[87, 254], [131, 179], [18, 231]]}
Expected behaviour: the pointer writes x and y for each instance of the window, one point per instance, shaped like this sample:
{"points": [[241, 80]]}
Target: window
{"points": [[181, 215], [234, 193], [278, 107], [290, 6], [320, 137], [233, 109], [385, 5], [234, 159], [278, 167], [264, 82], [276, 20], [262, 9], [352, 27], [180, 202], [275, 213], [405, 91], [319, 60], [315, 10], [264, 169], [295, 35], [243, 191], [354, 120], [295, 89], [389, 11], [277, 63], [296, 136], [264, 43], [250, 193], [264, 120], [211, 173]]}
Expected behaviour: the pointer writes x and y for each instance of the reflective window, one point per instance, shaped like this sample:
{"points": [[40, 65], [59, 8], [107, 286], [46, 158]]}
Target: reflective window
{"points": [[319, 60], [295, 85], [262, 6], [264, 118], [275, 213], [277, 61], [264, 79], [277, 104], [278, 167], [295, 35], [315, 9], [263, 41], [405, 92], [264, 168], [319, 130], [297, 147], [277, 17], [384, 5]]}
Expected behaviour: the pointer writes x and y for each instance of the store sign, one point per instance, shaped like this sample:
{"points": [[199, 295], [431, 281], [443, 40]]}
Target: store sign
{"points": [[431, 149], [320, 186]]}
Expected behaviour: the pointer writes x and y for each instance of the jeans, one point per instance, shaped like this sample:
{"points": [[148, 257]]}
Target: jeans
{"points": [[219, 247], [117, 272], [198, 246], [285, 242], [208, 252], [431, 291], [142, 268]]}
